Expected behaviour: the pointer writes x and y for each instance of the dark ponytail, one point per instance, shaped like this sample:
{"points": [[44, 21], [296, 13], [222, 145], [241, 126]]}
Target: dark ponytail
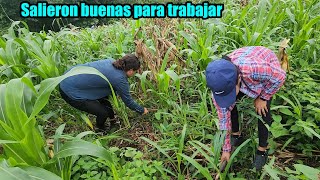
{"points": [[237, 68], [127, 62]]}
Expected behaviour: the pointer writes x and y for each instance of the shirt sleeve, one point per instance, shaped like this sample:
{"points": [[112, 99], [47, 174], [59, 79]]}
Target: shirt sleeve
{"points": [[273, 84], [224, 115], [123, 90]]}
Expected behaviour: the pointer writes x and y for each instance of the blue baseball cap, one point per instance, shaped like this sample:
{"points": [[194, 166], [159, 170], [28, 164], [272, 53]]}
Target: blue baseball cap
{"points": [[221, 76]]}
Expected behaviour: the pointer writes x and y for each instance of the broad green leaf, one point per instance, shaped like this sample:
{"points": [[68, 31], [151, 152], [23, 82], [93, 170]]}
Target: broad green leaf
{"points": [[81, 147], [48, 85], [13, 173], [309, 129], [192, 41], [29, 83], [3, 114], [13, 100], [278, 130], [286, 111], [310, 172], [83, 134], [272, 172], [276, 118], [173, 75], [37, 173]]}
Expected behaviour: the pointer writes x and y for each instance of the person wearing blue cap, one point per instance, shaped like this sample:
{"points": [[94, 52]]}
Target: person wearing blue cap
{"points": [[252, 71]]}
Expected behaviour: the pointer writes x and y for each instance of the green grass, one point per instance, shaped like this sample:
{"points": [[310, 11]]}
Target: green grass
{"points": [[182, 139]]}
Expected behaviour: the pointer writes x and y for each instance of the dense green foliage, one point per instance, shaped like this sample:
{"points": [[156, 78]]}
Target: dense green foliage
{"points": [[180, 140], [10, 11]]}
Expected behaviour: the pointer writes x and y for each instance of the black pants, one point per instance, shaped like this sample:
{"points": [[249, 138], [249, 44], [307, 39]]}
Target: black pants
{"points": [[101, 108], [262, 129]]}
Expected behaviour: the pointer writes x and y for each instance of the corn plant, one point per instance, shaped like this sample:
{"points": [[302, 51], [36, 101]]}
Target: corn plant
{"points": [[25, 172], [20, 103], [176, 161], [305, 21], [119, 40], [212, 156], [11, 54], [255, 24], [40, 52], [308, 127], [200, 43], [301, 172]]}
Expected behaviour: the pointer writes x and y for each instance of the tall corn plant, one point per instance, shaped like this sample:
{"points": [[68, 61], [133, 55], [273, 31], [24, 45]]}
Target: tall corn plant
{"points": [[305, 22], [16, 103], [11, 53], [256, 24], [119, 40], [20, 103], [299, 124], [212, 155], [175, 159], [38, 52], [25, 172], [200, 48]]}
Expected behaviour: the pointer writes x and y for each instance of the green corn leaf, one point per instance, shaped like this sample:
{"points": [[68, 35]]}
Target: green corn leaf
{"points": [[203, 153], [234, 154], [192, 41], [13, 99], [204, 171], [181, 145], [163, 151], [165, 60], [37, 173], [48, 85], [3, 114], [13, 173], [173, 75], [310, 172], [272, 172], [81, 147], [87, 120]]}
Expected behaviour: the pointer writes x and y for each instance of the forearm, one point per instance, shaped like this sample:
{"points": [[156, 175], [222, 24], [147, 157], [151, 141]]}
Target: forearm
{"points": [[130, 103]]}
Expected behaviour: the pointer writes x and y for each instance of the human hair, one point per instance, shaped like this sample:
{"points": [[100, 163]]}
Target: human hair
{"points": [[237, 68], [127, 62]]}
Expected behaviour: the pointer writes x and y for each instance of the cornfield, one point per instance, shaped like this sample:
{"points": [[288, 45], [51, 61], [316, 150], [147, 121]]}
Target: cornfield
{"points": [[42, 137]]}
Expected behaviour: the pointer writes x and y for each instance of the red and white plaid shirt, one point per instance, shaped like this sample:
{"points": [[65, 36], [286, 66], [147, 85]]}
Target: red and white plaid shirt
{"points": [[261, 76]]}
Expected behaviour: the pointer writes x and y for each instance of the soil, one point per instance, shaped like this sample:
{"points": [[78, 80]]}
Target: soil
{"points": [[138, 130]]}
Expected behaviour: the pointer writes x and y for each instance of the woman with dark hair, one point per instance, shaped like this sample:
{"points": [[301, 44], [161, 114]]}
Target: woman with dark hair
{"points": [[89, 92]]}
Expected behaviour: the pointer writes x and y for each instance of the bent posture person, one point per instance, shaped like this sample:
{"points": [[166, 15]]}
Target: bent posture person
{"points": [[252, 71], [89, 92]]}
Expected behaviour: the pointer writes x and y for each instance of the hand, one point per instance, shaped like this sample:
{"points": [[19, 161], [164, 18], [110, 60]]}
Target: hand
{"points": [[260, 106], [145, 111], [225, 156]]}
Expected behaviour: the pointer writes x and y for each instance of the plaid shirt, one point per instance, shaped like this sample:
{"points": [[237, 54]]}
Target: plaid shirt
{"points": [[261, 76]]}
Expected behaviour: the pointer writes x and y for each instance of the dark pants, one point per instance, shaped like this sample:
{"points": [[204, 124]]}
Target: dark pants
{"points": [[262, 129], [101, 108]]}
